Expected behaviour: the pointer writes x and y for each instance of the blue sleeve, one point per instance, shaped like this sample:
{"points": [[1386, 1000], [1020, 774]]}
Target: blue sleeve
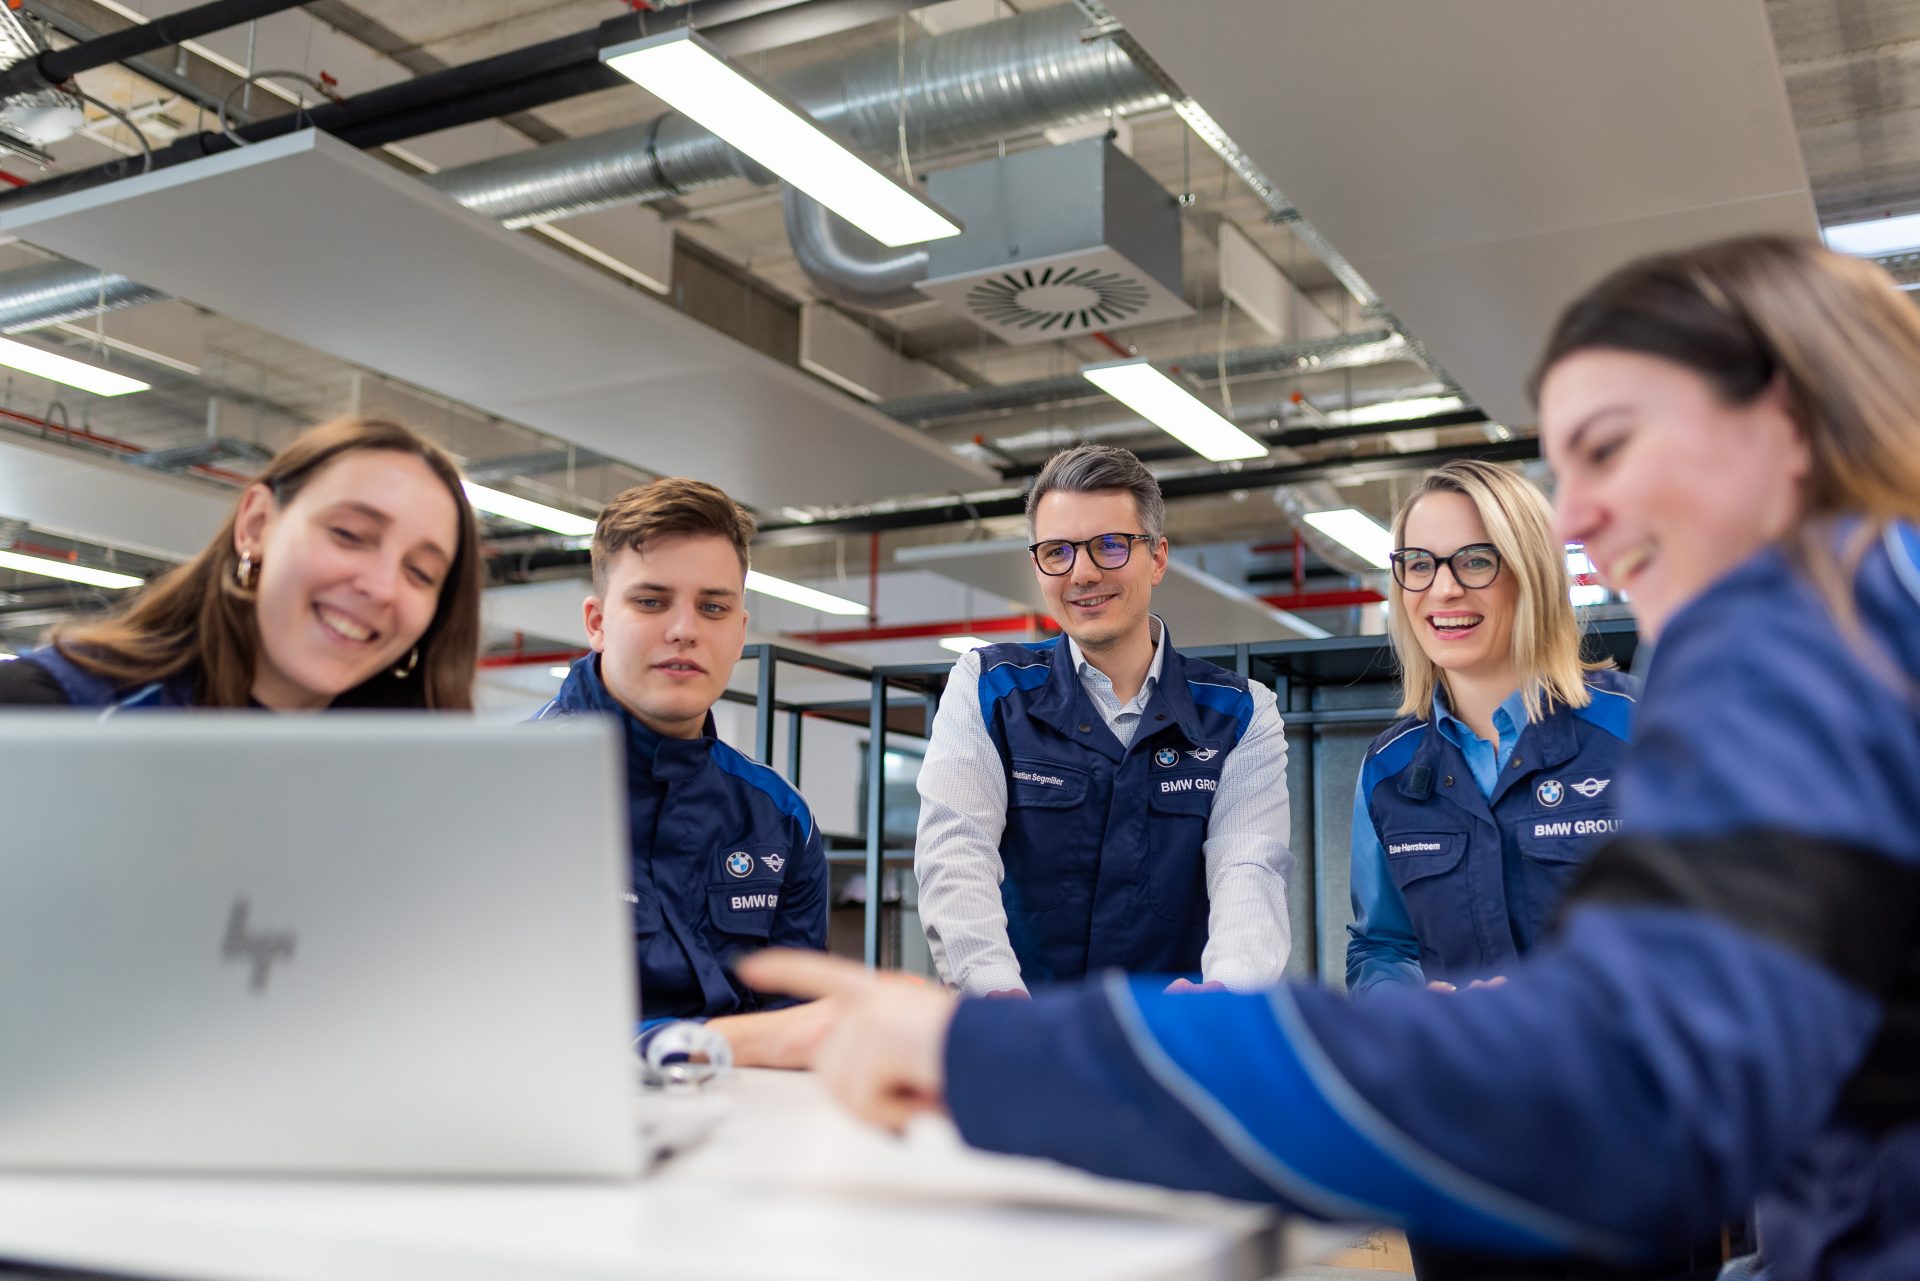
{"points": [[1381, 947], [1636, 1080], [1624, 1091]]}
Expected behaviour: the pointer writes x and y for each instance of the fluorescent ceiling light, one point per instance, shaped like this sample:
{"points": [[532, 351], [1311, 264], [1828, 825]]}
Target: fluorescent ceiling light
{"points": [[539, 515], [1876, 236], [64, 369], [962, 644], [1587, 594], [1356, 531], [559, 672], [1173, 409], [768, 585], [691, 76], [64, 569], [1388, 411]]}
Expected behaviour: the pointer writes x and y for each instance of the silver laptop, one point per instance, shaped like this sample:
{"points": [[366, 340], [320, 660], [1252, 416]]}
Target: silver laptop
{"points": [[354, 944]]}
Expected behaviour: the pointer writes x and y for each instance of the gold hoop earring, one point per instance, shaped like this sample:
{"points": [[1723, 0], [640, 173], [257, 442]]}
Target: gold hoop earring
{"points": [[413, 661], [246, 573]]}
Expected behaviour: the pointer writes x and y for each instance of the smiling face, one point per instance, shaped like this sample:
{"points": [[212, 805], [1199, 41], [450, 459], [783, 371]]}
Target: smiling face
{"points": [[669, 628], [1466, 631], [1099, 608], [350, 573], [1667, 485]]}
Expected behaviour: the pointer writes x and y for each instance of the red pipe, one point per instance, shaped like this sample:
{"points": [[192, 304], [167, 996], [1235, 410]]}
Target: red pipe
{"points": [[923, 631], [1108, 341], [1324, 600], [12, 179], [873, 578], [1299, 563], [528, 658], [124, 446]]}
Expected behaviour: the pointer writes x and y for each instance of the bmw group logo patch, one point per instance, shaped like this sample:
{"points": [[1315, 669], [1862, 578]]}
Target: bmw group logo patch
{"points": [[1550, 792], [739, 864], [1166, 758]]}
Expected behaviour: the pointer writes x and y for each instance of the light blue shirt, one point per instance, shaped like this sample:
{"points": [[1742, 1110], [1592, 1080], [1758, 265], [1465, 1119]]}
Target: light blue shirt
{"points": [[1386, 949]]}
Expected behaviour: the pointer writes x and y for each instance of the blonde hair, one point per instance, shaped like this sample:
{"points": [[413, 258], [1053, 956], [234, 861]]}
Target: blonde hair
{"points": [[1546, 635], [1833, 330]]}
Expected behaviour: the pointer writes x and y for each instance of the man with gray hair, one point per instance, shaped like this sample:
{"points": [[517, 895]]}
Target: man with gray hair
{"points": [[1101, 800]]}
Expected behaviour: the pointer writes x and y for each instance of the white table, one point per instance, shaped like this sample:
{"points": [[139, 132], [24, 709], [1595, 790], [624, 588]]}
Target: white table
{"points": [[786, 1189]]}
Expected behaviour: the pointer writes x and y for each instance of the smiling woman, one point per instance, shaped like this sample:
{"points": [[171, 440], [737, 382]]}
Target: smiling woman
{"points": [[348, 576]]}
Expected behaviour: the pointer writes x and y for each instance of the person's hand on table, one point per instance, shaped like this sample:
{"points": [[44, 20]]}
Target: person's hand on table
{"points": [[1440, 985], [785, 1038], [882, 1058]]}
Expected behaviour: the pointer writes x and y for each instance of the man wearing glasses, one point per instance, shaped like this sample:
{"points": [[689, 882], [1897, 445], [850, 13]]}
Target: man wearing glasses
{"points": [[1100, 800]]}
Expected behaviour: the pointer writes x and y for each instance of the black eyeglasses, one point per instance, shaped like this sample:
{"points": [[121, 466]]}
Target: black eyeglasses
{"points": [[1475, 565], [1055, 556]]}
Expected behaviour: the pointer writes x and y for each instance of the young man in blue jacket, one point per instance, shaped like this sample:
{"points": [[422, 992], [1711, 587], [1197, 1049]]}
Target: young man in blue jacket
{"points": [[726, 856]]}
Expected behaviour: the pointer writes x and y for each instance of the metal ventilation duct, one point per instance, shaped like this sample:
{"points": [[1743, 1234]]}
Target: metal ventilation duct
{"points": [[50, 292], [959, 89], [1060, 241]]}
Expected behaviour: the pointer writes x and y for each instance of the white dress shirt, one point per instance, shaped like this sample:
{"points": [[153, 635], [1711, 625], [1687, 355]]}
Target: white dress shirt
{"points": [[963, 813]]}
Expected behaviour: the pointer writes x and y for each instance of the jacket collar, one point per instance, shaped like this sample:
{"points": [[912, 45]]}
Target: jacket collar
{"points": [[585, 692]]}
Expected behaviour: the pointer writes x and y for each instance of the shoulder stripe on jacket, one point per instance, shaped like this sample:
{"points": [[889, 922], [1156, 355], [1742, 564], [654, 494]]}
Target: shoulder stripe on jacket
{"points": [[764, 779]]}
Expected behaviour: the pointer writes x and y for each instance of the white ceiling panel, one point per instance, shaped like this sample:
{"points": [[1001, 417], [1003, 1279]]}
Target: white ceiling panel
{"points": [[1481, 161], [63, 491], [1199, 608], [306, 237]]}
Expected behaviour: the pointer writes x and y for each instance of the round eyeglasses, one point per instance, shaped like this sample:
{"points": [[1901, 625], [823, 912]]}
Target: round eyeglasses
{"points": [[1055, 556], [1475, 565]]}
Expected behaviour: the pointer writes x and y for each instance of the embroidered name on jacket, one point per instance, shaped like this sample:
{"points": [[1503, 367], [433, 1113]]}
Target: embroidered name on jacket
{"points": [[755, 902], [1416, 847], [1189, 784], [1047, 780]]}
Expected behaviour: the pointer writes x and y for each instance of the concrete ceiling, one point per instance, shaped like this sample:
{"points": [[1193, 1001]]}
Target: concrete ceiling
{"points": [[1481, 161]]}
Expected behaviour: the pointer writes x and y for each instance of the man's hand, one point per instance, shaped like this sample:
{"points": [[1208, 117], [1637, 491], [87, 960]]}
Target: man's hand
{"points": [[1188, 985], [783, 1038], [1438, 985], [883, 1056]]}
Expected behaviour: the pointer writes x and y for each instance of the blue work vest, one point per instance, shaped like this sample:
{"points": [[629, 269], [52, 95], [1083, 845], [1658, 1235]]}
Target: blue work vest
{"points": [[1482, 876], [1103, 843], [726, 860], [90, 689]]}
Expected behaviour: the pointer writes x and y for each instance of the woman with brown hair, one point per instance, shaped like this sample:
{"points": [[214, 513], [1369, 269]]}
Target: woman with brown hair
{"points": [[1730, 1009], [349, 575]]}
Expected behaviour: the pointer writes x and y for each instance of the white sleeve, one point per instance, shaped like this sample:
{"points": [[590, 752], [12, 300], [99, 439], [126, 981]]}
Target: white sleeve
{"points": [[956, 852], [1248, 859]]}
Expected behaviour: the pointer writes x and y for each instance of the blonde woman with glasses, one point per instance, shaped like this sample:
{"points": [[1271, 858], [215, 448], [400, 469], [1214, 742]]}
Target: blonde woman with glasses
{"points": [[1475, 809]]}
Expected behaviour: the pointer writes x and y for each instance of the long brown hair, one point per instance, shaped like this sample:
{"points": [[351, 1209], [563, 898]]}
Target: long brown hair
{"points": [[1836, 332], [1546, 633], [198, 619]]}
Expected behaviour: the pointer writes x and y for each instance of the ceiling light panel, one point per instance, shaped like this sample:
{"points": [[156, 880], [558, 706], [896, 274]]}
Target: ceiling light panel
{"points": [[1356, 531], [780, 588], [65, 370], [691, 76], [1173, 409], [528, 512], [65, 569]]}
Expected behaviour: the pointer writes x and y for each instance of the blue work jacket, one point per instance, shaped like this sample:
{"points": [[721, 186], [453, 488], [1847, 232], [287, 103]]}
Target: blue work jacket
{"points": [[90, 689], [726, 860], [1462, 849], [1730, 1011], [1103, 847]]}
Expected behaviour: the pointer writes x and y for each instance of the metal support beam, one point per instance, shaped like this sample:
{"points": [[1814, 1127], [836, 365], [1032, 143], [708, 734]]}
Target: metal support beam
{"points": [[876, 815]]}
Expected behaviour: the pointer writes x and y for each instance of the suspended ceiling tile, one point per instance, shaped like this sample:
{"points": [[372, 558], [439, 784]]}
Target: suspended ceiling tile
{"points": [[63, 491], [1436, 142], [306, 237], [1199, 608]]}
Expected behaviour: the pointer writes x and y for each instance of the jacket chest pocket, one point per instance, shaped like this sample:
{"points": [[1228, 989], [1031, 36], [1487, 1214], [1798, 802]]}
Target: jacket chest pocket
{"points": [[1428, 868], [1052, 840], [1553, 848], [745, 887]]}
